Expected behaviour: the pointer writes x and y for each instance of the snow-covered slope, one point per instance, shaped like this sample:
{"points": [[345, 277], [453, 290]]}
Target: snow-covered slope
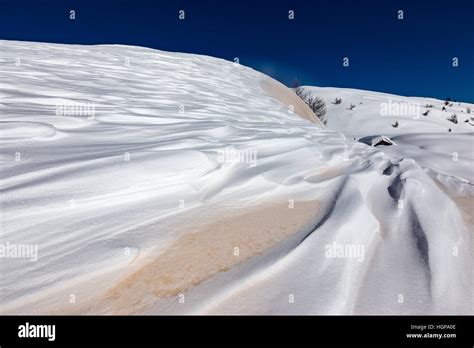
{"points": [[157, 182], [424, 130], [376, 113]]}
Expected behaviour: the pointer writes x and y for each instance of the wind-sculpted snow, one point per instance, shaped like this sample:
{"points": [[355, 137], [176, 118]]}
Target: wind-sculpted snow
{"points": [[156, 182]]}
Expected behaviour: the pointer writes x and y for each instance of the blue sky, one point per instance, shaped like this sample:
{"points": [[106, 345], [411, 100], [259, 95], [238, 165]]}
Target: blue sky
{"points": [[412, 56]]}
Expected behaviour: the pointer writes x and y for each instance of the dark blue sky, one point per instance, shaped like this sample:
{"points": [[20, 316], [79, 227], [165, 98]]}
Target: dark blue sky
{"points": [[408, 57]]}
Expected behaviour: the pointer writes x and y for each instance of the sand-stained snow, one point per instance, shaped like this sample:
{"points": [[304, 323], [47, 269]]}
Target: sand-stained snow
{"points": [[157, 182]]}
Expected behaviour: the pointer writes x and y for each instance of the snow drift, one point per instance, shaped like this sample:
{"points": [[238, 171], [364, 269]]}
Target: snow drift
{"points": [[157, 182]]}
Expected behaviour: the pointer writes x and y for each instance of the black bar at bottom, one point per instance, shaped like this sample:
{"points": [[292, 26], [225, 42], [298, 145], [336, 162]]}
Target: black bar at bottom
{"points": [[291, 330]]}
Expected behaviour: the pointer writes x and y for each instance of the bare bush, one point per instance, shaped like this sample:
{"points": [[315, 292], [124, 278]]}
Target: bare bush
{"points": [[316, 104], [453, 118]]}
